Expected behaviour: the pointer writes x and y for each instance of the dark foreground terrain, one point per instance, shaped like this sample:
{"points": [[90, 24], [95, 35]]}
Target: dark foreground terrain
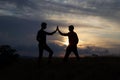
{"points": [[89, 68]]}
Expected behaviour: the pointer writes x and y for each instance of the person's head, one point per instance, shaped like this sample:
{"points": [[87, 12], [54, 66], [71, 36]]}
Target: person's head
{"points": [[43, 25], [71, 28]]}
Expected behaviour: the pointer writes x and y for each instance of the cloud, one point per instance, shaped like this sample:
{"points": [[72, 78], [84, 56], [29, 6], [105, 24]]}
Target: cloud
{"points": [[15, 30], [93, 50], [45, 9], [18, 3]]}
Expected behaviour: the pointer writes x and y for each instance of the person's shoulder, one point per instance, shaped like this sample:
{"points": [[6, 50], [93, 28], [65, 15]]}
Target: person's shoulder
{"points": [[75, 33], [68, 33], [41, 30]]}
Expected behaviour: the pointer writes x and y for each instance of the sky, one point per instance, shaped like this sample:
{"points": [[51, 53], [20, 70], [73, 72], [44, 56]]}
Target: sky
{"points": [[96, 23]]}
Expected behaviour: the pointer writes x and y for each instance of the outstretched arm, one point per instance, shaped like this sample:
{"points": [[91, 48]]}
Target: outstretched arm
{"points": [[48, 33], [63, 34]]}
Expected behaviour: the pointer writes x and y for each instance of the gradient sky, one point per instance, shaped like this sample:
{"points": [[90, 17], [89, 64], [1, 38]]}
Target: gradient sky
{"points": [[96, 23]]}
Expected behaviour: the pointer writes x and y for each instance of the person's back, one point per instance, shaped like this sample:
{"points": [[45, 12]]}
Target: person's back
{"points": [[73, 38], [41, 37]]}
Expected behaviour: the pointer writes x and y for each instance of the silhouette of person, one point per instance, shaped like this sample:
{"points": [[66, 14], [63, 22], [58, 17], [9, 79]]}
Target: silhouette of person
{"points": [[73, 40], [41, 38]]}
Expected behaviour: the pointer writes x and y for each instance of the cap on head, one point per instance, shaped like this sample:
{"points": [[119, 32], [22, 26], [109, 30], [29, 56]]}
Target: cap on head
{"points": [[71, 27], [43, 25]]}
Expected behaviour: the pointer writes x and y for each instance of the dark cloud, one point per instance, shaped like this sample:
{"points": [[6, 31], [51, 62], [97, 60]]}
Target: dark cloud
{"points": [[106, 9], [15, 30], [94, 50], [25, 50], [20, 33], [19, 3]]}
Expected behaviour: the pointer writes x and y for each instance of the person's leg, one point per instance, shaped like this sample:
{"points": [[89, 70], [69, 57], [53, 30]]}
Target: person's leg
{"points": [[47, 48], [68, 51], [76, 52], [40, 53]]}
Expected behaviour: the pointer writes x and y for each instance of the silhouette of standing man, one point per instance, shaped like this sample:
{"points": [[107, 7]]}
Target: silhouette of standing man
{"points": [[73, 40], [41, 38]]}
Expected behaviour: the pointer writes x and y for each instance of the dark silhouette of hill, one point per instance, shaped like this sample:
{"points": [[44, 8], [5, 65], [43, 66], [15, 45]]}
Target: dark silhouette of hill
{"points": [[89, 68]]}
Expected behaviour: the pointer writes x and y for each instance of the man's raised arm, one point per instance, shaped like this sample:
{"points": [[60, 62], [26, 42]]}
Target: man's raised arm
{"points": [[63, 34]]}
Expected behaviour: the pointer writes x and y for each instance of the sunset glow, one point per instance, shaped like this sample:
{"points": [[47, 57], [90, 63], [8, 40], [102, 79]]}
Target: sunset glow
{"points": [[66, 42]]}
